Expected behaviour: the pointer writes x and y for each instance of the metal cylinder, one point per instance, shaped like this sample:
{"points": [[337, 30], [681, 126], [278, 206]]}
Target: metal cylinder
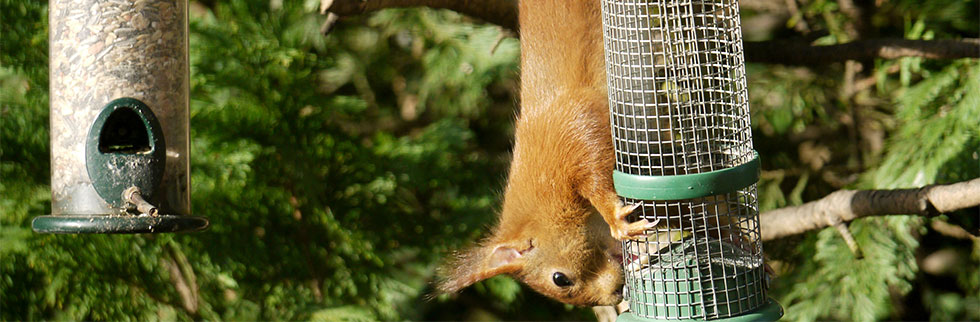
{"points": [[119, 106], [680, 122]]}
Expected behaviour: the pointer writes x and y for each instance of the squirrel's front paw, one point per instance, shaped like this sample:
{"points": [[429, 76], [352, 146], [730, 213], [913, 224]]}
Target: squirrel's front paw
{"points": [[622, 229]]}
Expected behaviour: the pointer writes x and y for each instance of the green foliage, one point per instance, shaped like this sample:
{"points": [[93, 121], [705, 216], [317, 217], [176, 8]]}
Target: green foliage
{"points": [[918, 125], [938, 133], [837, 285], [935, 141], [338, 170]]}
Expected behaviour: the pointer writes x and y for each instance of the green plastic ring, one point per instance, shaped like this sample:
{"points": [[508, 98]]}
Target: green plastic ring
{"points": [[771, 311], [687, 186]]}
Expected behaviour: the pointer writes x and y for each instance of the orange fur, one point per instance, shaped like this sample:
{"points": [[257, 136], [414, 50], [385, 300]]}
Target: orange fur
{"points": [[561, 172]]}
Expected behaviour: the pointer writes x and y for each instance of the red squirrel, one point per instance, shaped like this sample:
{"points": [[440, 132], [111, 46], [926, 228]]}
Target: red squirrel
{"points": [[561, 173]]}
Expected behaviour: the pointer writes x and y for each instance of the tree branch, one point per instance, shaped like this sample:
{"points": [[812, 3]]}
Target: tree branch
{"points": [[499, 12], [847, 205], [183, 277], [799, 53], [504, 14]]}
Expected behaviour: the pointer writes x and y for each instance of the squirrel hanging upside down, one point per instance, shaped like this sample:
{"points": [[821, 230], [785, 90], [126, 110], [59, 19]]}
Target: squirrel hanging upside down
{"points": [[548, 235]]}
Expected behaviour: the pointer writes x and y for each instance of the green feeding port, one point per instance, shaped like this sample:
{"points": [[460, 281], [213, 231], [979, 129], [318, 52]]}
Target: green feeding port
{"points": [[126, 148], [683, 145], [124, 132], [125, 160]]}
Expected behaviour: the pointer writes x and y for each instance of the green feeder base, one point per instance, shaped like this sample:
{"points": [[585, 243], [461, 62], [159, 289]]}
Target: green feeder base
{"points": [[771, 311], [106, 224]]}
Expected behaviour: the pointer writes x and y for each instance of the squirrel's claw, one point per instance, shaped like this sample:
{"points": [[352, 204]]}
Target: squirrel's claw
{"points": [[624, 229], [622, 211]]}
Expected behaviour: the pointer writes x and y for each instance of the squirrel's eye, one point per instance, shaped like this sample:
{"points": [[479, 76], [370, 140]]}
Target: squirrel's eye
{"points": [[561, 280]]}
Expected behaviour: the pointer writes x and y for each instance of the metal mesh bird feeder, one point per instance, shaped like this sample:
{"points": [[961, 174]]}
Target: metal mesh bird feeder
{"points": [[680, 123], [119, 127]]}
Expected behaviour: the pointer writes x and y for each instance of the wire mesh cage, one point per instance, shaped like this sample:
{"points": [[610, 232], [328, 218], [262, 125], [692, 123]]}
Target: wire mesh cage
{"points": [[680, 123]]}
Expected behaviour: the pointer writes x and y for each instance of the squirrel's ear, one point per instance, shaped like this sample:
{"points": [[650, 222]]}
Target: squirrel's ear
{"points": [[477, 264]]}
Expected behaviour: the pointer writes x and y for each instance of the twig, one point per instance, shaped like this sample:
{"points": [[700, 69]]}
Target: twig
{"points": [[794, 11], [849, 239], [317, 282], [951, 230], [501, 34], [329, 23], [857, 18], [872, 80], [183, 277], [847, 205], [778, 7]]}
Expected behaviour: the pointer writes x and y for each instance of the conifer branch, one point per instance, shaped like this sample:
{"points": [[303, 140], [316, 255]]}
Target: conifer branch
{"points": [[846, 205]]}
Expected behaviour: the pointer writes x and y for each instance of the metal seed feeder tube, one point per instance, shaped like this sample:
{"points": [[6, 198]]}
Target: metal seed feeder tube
{"points": [[119, 118], [680, 126]]}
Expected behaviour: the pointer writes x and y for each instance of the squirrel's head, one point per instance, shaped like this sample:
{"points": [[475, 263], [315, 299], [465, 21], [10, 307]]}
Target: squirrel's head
{"points": [[578, 264]]}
